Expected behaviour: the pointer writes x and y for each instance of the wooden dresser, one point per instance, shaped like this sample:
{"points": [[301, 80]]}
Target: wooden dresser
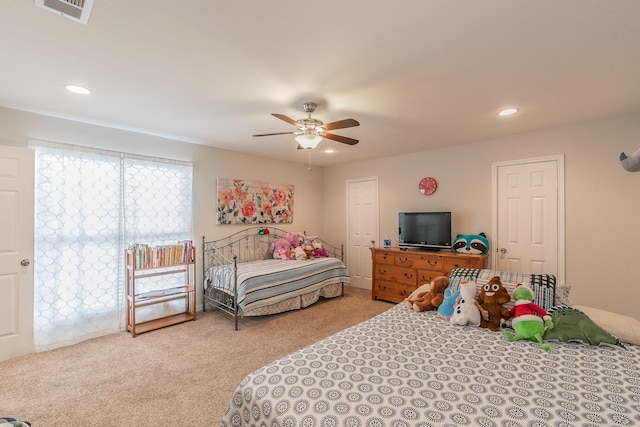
{"points": [[398, 272]]}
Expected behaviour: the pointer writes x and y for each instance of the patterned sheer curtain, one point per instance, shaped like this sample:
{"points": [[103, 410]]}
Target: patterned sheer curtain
{"points": [[90, 205]]}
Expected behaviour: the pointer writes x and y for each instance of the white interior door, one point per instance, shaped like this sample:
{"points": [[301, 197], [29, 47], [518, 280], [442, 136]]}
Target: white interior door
{"points": [[362, 228], [529, 216], [16, 251]]}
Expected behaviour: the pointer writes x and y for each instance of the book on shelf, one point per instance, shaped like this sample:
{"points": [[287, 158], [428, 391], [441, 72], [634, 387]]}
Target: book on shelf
{"points": [[145, 256]]}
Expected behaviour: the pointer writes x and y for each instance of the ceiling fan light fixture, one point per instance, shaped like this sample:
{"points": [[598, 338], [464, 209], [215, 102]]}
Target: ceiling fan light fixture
{"points": [[308, 140]]}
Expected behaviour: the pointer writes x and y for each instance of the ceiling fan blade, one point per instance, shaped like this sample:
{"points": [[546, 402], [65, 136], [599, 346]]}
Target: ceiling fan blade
{"points": [[277, 133], [343, 139], [341, 124], [285, 118]]}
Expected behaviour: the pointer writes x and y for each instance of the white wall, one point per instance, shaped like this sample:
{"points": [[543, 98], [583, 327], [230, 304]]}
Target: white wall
{"points": [[602, 199], [17, 127]]}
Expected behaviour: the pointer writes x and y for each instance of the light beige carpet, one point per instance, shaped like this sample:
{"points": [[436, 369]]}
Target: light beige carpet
{"points": [[180, 375]]}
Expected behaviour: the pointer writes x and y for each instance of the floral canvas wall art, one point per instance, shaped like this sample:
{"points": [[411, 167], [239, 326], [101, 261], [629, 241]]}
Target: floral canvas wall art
{"points": [[254, 202]]}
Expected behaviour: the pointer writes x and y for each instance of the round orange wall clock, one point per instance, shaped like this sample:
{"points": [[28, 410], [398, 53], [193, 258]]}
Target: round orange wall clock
{"points": [[428, 186]]}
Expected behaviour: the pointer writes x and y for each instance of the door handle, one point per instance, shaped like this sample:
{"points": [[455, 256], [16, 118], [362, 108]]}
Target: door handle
{"points": [[25, 262], [503, 251]]}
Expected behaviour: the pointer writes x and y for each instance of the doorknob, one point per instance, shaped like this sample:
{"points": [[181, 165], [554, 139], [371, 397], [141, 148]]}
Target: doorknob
{"points": [[25, 262], [503, 251]]}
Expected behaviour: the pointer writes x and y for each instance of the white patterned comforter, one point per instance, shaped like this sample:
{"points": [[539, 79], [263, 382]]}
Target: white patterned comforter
{"points": [[404, 368]]}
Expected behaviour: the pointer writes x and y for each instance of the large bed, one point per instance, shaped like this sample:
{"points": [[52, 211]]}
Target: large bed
{"points": [[408, 368], [241, 277]]}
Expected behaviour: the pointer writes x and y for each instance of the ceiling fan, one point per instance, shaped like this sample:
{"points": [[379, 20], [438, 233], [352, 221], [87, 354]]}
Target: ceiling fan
{"points": [[311, 131]]}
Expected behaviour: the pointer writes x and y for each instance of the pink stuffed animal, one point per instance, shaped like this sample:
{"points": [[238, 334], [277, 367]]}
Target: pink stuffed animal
{"points": [[318, 250], [280, 248], [293, 240]]}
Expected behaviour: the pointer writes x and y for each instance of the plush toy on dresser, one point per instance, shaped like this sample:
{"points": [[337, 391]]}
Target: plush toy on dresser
{"points": [[471, 244], [491, 298]]}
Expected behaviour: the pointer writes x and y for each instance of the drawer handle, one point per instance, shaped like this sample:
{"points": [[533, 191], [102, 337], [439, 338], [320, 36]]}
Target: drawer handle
{"points": [[382, 287], [456, 265], [408, 275], [432, 262], [382, 271]]}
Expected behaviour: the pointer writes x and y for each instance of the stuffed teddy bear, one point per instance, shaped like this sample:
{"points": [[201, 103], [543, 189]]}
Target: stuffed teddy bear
{"points": [[527, 319], [434, 297], [471, 244], [308, 251], [279, 247], [445, 310], [492, 295], [422, 289], [467, 310]]}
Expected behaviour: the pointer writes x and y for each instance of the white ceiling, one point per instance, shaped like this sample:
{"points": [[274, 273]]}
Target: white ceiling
{"points": [[416, 74]]}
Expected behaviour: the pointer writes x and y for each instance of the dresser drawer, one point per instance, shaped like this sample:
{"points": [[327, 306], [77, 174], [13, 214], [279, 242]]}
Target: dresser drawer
{"points": [[390, 291], [395, 274], [451, 263], [426, 276], [426, 261], [384, 258]]}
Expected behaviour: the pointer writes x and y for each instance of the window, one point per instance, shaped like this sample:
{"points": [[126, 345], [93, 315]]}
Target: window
{"points": [[90, 205]]}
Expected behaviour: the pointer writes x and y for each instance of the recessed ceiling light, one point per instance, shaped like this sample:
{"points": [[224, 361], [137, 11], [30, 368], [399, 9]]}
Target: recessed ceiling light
{"points": [[329, 151], [508, 112], [77, 89]]}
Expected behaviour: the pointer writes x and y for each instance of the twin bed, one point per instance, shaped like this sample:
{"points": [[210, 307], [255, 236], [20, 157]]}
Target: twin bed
{"points": [[241, 278], [403, 368]]}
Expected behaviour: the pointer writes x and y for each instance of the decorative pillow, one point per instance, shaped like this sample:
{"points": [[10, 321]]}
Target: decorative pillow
{"points": [[562, 295], [572, 325], [626, 328], [464, 273], [454, 282], [547, 294]]}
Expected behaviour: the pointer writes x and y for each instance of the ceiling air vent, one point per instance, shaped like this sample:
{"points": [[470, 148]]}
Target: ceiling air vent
{"points": [[78, 10]]}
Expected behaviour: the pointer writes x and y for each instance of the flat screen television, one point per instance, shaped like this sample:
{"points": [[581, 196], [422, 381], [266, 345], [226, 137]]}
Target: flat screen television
{"points": [[424, 230]]}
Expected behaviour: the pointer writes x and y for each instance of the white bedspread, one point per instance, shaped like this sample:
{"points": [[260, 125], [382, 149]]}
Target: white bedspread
{"points": [[404, 368]]}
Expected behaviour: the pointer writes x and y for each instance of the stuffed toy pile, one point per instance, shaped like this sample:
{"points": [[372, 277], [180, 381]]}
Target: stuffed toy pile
{"points": [[298, 246]]}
